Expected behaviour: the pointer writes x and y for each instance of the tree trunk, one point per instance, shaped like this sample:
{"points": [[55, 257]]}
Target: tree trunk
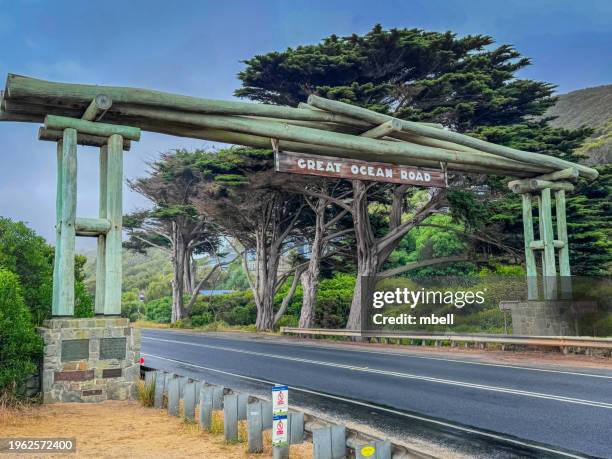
{"points": [[372, 253], [267, 261], [178, 265], [310, 278], [367, 256]]}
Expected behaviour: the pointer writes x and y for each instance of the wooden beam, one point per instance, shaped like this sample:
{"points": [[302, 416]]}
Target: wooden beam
{"points": [[450, 136], [101, 245], [65, 300], [530, 264], [21, 87], [550, 270], [58, 229], [375, 148], [114, 192], [98, 106], [382, 130], [529, 185], [539, 244], [564, 263], [92, 225], [82, 139], [571, 173], [89, 127]]}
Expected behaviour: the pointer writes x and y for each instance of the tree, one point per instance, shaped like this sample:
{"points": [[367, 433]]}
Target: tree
{"points": [[413, 74], [28, 255], [326, 235], [464, 83], [173, 224], [240, 192], [19, 343], [588, 207]]}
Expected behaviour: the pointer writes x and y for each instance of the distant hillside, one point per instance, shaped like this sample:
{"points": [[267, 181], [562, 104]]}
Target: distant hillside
{"points": [[590, 107]]}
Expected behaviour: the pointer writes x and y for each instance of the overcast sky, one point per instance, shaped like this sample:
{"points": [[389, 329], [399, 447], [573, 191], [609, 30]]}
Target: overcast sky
{"points": [[195, 48]]}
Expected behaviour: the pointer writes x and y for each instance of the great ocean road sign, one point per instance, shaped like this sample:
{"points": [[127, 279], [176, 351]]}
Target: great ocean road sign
{"points": [[354, 169]]}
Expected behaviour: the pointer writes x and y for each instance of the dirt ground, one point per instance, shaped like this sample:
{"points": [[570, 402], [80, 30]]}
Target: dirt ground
{"points": [[115, 429]]}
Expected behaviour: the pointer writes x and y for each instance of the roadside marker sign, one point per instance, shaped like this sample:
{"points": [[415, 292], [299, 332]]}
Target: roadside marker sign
{"points": [[280, 400], [279, 430]]}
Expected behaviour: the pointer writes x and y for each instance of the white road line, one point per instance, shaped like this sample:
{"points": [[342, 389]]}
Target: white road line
{"points": [[406, 355], [505, 390], [380, 408]]}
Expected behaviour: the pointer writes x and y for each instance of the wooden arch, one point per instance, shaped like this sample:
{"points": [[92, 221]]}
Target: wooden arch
{"points": [[111, 117]]}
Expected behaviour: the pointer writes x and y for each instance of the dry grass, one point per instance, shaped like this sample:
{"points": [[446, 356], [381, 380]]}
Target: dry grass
{"points": [[146, 393], [116, 429], [148, 324]]}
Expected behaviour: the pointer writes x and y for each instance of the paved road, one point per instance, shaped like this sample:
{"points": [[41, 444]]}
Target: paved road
{"points": [[467, 407]]}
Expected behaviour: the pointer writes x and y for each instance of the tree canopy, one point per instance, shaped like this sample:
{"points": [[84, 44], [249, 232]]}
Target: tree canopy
{"points": [[462, 82]]}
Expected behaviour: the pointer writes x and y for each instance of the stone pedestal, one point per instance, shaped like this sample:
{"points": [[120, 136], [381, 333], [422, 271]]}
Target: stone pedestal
{"points": [[546, 318], [90, 360]]}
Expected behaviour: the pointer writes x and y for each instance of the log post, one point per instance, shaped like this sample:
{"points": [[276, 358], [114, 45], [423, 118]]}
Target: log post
{"points": [[114, 192], [58, 228], [564, 266], [530, 264], [101, 258], [65, 276], [564, 263], [547, 236]]}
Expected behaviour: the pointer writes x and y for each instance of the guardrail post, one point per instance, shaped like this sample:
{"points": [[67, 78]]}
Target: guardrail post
{"points": [[189, 395], [160, 383], [230, 417], [329, 442], [199, 385], [380, 449], [149, 379], [295, 428], [255, 427], [266, 413], [183, 380], [206, 407], [243, 400], [173, 397]]}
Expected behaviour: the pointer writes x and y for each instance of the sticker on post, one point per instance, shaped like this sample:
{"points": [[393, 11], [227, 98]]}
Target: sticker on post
{"points": [[368, 451], [279, 430], [280, 399]]}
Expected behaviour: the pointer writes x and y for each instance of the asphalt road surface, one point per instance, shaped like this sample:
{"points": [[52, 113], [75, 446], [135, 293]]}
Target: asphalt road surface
{"points": [[464, 407]]}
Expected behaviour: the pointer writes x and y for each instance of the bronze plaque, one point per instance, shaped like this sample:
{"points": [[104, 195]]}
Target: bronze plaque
{"points": [[112, 348], [83, 375], [355, 169], [111, 373], [75, 349]]}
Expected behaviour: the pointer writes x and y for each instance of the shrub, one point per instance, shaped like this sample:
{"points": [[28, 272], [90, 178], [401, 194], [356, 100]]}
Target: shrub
{"points": [[160, 310], [20, 346]]}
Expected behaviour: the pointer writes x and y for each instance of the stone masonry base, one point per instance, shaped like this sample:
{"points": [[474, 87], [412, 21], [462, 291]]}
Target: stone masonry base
{"points": [[90, 360]]}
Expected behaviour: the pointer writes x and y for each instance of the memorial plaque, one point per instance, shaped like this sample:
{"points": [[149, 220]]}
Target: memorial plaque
{"points": [[75, 349], [112, 348]]}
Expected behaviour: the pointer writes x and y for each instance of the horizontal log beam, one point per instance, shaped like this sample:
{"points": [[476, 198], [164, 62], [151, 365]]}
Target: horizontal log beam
{"points": [[385, 129], [539, 245], [219, 135], [450, 136], [55, 122], [529, 185], [22, 87], [98, 106], [378, 149], [91, 226], [82, 139], [571, 173]]}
